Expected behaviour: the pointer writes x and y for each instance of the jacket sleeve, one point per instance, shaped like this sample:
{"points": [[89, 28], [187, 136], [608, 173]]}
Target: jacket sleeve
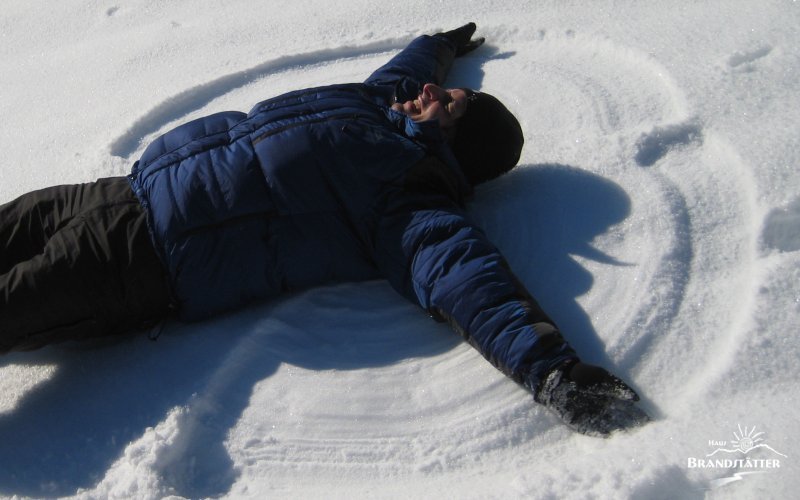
{"points": [[433, 255], [427, 59]]}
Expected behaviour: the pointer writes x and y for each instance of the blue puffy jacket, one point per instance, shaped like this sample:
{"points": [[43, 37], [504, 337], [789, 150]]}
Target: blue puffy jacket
{"points": [[330, 184]]}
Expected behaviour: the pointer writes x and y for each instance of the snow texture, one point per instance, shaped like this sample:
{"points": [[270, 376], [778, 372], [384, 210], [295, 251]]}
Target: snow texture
{"points": [[655, 214]]}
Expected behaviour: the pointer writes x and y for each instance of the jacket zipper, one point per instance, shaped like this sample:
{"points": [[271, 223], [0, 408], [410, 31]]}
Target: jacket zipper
{"points": [[292, 125]]}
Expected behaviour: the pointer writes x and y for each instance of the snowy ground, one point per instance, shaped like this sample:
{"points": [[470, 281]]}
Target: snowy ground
{"points": [[656, 214]]}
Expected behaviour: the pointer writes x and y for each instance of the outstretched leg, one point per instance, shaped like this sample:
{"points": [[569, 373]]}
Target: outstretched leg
{"points": [[77, 263]]}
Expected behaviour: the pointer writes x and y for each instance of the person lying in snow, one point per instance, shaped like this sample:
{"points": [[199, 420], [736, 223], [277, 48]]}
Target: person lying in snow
{"points": [[338, 183]]}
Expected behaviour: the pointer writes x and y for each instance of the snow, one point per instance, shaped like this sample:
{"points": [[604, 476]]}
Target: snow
{"points": [[655, 215]]}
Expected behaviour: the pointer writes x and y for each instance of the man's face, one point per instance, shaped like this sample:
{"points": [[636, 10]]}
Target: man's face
{"points": [[435, 103]]}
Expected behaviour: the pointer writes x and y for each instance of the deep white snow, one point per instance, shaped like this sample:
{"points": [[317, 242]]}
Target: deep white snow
{"points": [[655, 214]]}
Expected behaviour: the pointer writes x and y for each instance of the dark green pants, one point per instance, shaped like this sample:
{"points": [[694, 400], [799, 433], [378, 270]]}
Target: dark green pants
{"points": [[76, 262]]}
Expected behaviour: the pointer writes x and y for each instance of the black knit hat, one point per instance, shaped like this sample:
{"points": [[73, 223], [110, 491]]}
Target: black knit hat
{"points": [[488, 139]]}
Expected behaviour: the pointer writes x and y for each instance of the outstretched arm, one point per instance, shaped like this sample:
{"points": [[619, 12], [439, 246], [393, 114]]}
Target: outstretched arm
{"points": [[427, 59], [433, 255]]}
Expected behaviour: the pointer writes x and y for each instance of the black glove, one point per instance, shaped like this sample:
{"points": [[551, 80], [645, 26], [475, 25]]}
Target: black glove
{"points": [[461, 37], [590, 400]]}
